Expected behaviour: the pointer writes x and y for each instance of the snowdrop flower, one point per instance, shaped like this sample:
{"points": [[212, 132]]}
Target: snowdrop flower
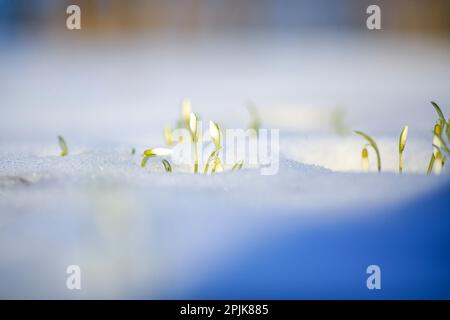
{"points": [[193, 125], [438, 165], [214, 130], [437, 139], [365, 160], [157, 152], [149, 153], [401, 147], [186, 110]]}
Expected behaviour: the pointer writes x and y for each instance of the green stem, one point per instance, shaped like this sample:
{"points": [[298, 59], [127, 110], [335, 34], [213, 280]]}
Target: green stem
{"points": [[206, 168], [400, 165], [378, 159], [216, 163], [430, 165], [195, 157]]}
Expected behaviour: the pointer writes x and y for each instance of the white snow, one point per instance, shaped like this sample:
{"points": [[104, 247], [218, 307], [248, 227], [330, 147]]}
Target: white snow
{"points": [[136, 229]]}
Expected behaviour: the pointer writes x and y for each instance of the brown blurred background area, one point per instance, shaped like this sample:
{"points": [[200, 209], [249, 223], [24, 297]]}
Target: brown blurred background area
{"points": [[210, 16]]}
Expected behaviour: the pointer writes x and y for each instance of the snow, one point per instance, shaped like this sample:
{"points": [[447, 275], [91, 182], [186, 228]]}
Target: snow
{"points": [[140, 232]]}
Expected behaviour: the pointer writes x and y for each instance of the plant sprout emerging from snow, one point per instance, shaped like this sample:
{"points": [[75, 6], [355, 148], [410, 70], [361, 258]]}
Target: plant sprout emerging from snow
{"points": [[144, 161], [442, 123], [149, 153], [183, 122], [214, 158], [63, 145], [437, 144], [337, 121], [133, 151], [447, 131], [186, 110], [401, 147], [437, 138], [167, 165], [373, 144], [438, 160], [444, 145], [168, 136], [193, 126], [189, 120], [238, 165], [365, 160], [441, 120], [255, 122]]}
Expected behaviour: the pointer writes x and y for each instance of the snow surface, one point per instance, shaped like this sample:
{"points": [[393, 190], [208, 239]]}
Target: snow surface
{"points": [[309, 231]]}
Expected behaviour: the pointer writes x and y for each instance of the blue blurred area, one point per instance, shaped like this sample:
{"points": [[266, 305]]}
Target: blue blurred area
{"points": [[409, 242], [216, 14], [19, 13], [200, 16]]}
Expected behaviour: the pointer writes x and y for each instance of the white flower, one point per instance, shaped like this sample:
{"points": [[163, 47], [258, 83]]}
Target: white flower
{"points": [[157, 152], [214, 130]]}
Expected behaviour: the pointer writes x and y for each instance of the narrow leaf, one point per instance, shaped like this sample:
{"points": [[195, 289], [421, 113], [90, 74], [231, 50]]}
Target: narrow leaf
{"points": [[211, 157], [430, 165], [144, 161], [238, 165], [402, 139], [63, 146], [214, 130], [217, 167], [255, 121], [439, 112], [167, 165]]}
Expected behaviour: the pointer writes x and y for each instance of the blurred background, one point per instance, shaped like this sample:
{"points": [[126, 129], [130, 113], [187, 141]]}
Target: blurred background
{"points": [[212, 16]]}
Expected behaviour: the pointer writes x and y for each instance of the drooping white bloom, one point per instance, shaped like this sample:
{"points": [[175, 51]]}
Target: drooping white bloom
{"points": [[365, 160], [214, 130]]}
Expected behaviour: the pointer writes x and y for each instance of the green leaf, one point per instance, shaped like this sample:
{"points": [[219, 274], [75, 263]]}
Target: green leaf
{"points": [[338, 121], [439, 112], [211, 157], [167, 165], [447, 130], [238, 165], [63, 146], [430, 165], [217, 165], [373, 144], [443, 144], [402, 139], [438, 149], [214, 131], [144, 160], [255, 121]]}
